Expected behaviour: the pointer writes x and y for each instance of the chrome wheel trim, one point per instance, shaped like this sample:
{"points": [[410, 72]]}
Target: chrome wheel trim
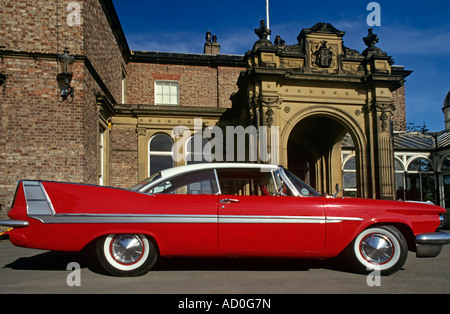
{"points": [[127, 248], [363, 253], [117, 257], [377, 248]]}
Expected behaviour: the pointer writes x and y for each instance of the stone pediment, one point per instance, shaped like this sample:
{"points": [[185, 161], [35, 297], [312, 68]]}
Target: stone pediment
{"points": [[324, 28], [319, 50]]}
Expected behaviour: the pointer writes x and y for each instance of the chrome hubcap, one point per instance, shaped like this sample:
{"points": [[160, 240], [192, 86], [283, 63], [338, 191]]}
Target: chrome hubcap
{"points": [[127, 248], [377, 248]]}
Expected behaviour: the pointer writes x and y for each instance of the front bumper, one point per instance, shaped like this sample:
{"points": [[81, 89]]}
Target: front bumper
{"points": [[430, 244]]}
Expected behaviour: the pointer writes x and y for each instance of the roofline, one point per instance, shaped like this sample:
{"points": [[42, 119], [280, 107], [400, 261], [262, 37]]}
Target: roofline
{"points": [[188, 58], [143, 109], [116, 28], [214, 165]]}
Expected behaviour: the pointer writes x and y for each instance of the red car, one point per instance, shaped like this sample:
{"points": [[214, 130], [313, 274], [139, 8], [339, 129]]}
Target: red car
{"points": [[221, 209]]}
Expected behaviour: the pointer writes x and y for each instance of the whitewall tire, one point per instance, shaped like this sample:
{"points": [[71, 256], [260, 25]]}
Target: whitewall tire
{"points": [[126, 254], [380, 248]]}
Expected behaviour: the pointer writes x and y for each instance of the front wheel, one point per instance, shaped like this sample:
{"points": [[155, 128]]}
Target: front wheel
{"points": [[126, 254], [381, 248]]}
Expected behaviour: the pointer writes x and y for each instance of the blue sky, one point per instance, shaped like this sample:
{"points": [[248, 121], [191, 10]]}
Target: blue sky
{"points": [[415, 33]]}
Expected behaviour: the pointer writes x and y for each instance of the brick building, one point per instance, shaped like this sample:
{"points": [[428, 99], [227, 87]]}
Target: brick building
{"points": [[91, 139], [118, 128], [42, 137]]}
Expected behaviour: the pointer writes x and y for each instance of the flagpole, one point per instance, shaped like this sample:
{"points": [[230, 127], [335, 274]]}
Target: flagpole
{"points": [[267, 16]]}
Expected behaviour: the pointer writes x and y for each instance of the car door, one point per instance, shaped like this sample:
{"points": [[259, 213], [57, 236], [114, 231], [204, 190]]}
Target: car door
{"points": [[186, 206], [261, 223]]}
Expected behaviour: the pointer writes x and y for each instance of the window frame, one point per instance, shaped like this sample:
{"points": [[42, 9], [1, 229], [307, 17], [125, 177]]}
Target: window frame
{"points": [[190, 156], [162, 103], [421, 176], [158, 153], [349, 171], [182, 185]]}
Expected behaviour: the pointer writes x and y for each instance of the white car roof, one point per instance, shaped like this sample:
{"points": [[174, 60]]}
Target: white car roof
{"points": [[218, 165]]}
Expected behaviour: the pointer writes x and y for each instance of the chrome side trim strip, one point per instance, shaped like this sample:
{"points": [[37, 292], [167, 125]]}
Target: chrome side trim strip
{"points": [[127, 218], [340, 219], [271, 219], [112, 218]]}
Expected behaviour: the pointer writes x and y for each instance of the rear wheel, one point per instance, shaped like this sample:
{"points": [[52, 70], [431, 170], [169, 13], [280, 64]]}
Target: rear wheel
{"points": [[126, 254], [381, 248]]}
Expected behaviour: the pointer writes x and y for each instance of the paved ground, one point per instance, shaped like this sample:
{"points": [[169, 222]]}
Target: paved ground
{"points": [[33, 271]]}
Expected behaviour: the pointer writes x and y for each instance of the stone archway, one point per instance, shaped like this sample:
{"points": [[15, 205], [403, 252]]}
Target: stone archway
{"points": [[317, 90], [310, 150], [313, 149]]}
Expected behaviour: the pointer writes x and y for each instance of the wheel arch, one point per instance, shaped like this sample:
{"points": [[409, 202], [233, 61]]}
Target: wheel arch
{"points": [[403, 227], [151, 237]]}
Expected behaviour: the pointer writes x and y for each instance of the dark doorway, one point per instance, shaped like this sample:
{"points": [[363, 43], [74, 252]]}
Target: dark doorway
{"points": [[310, 151]]}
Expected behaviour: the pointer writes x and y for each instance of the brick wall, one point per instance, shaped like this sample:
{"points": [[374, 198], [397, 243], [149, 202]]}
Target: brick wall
{"points": [[227, 78], [199, 86], [123, 157], [399, 118], [35, 143], [41, 137], [101, 48]]}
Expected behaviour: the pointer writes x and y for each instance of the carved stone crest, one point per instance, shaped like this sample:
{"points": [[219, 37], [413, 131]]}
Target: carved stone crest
{"points": [[324, 56], [386, 110]]}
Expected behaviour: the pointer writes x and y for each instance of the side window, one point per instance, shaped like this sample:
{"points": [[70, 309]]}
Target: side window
{"points": [[246, 182], [201, 182]]}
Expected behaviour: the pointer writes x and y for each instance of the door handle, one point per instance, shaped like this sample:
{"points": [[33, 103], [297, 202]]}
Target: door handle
{"points": [[229, 200]]}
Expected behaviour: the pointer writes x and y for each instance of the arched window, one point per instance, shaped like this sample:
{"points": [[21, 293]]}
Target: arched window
{"points": [[420, 182], [159, 153], [349, 177], [399, 179], [421, 164], [445, 164]]}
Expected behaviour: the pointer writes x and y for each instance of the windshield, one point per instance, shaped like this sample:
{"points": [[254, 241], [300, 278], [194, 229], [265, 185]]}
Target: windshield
{"points": [[302, 188], [141, 184]]}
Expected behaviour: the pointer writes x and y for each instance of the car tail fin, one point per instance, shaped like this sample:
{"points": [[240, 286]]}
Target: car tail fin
{"points": [[30, 200], [38, 202]]}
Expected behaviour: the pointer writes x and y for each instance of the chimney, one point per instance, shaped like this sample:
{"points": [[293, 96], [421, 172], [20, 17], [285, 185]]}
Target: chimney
{"points": [[212, 47]]}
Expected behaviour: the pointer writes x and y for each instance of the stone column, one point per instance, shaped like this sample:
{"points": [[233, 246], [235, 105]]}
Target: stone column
{"points": [[141, 133], [270, 107], [384, 157]]}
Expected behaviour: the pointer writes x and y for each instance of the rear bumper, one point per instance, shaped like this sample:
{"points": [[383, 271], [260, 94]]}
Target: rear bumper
{"points": [[14, 223], [430, 244]]}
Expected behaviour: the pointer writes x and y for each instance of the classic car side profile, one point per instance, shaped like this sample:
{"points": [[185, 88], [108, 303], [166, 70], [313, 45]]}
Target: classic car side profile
{"points": [[221, 209]]}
